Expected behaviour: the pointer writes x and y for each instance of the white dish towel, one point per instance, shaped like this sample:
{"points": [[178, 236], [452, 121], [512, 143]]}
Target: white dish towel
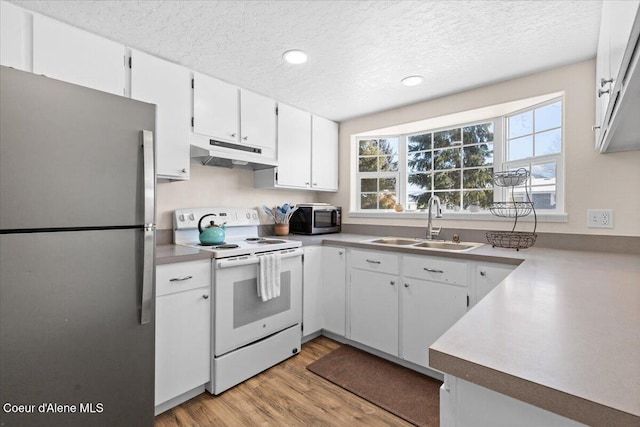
{"points": [[269, 276]]}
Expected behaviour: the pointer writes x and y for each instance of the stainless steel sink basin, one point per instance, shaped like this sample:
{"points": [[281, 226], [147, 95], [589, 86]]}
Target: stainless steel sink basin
{"points": [[439, 245], [395, 241], [448, 246]]}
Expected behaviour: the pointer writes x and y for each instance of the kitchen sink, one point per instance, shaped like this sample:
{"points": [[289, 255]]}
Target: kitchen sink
{"points": [[440, 245], [395, 241], [448, 246]]}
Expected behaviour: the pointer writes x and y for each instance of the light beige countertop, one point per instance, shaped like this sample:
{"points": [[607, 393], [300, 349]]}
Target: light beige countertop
{"points": [[167, 254], [561, 332]]}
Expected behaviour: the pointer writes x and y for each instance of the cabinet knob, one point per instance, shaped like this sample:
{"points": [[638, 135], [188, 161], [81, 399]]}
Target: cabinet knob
{"points": [[245, 138], [483, 273], [406, 285], [594, 127], [315, 184], [393, 282], [340, 252], [184, 170], [604, 81], [205, 296], [233, 135], [306, 183], [602, 92]]}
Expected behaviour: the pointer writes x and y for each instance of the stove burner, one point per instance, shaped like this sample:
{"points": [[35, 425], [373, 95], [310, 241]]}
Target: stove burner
{"points": [[254, 239], [263, 241], [226, 246], [211, 244]]}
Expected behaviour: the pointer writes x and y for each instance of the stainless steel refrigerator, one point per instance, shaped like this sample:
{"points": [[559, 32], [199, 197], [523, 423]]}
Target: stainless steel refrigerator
{"points": [[77, 245]]}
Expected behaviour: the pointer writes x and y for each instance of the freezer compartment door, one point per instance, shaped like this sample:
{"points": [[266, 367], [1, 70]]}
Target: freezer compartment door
{"points": [[70, 329], [71, 156]]}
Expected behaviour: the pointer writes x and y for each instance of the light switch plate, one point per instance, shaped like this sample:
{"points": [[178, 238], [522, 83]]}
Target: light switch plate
{"points": [[600, 218]]}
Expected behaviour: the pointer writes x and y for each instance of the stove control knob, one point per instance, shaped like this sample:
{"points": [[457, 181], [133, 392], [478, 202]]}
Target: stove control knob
{"points": [[248, 215], [192, 217], [181, 217], [255, 216]]}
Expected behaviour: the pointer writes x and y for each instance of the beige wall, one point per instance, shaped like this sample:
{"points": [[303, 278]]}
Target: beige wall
{"points": [[592, 180], [212, 186]]}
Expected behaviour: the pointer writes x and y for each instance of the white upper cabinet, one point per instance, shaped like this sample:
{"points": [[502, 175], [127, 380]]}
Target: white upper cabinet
{"points": [[257, 120], [167, 85], [324, 154], [216, 111], [307, 153], [66, 53], [15, 35], [294, 147], [617, 78]]}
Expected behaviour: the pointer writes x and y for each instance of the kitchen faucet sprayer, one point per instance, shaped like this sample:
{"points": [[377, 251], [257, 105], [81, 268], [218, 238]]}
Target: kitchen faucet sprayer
{"points": [[430, 229]]}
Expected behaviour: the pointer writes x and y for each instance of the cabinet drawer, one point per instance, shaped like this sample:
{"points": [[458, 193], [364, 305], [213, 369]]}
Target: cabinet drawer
{"points": [[182, 276], [375, 261], [435, 269]]}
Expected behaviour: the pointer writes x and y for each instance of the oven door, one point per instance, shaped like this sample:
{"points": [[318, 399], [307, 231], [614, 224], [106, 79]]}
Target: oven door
{"points": [[240, 316]]}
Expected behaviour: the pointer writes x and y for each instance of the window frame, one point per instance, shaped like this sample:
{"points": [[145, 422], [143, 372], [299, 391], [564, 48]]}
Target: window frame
{"points": [[500, 163]]}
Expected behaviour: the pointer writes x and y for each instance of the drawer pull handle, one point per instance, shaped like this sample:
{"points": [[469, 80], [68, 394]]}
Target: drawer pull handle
{"points": [[205, 296], [393, 282], [482, 273], [406, 285], [180, 279], [372, 261], [433, 270]]}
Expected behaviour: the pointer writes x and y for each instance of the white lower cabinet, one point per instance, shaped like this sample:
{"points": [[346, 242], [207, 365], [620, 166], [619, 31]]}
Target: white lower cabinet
{"points": [[334, 289], [464, 404], [433, 297], [183, 330], [428, 310], [324, 289], [373, 302], [312, 290], [487, 277]]}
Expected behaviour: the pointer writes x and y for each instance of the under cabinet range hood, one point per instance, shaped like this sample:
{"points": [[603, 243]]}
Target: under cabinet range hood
{"points": [[211, 152]]}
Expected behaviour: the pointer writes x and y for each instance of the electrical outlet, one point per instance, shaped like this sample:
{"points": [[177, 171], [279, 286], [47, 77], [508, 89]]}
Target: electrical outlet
{"points": [[600, 218]]}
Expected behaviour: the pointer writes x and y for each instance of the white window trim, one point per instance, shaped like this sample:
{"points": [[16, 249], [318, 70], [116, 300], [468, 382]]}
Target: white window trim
{"points": [[499, 144]]}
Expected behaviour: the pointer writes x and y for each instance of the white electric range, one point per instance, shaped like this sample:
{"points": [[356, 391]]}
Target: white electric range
{"points": [[249, 335]]}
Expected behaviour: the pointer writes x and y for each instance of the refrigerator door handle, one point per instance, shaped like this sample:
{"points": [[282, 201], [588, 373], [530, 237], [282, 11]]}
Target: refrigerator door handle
{"points": [[149, 165], [148, 272], [148, 275]]}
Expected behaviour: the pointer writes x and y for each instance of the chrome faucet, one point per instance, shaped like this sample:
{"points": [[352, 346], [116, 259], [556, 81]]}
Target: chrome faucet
{"points": [[430, 229]]}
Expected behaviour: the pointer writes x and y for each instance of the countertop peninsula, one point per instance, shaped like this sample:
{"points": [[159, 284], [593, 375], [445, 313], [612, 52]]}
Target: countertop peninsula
{"points": [[561, 332]]}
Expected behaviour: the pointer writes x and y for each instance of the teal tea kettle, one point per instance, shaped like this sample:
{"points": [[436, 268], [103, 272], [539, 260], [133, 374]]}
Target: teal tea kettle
{"points": [[212, 234]]}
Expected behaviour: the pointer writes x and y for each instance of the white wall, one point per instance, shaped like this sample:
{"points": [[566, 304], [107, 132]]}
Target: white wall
{"points": [[592, 180], [212, 186]]}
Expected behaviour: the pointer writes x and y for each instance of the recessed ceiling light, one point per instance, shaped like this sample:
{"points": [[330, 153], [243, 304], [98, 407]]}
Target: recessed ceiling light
{"points": [[412, 80], [295, 56]]}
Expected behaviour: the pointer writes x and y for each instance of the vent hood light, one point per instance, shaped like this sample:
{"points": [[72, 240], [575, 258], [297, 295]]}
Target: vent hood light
{"points": [[412, 80], [295, 56]]}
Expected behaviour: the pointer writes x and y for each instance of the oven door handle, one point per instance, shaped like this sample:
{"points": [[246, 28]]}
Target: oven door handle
{"points": [[255, 259]]}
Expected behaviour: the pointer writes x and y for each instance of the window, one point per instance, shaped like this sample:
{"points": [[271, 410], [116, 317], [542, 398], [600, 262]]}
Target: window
{"points": [[456, 163], [534, 142], [378, 173]]}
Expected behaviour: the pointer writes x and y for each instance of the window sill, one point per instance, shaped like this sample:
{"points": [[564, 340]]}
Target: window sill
{"points": [[462, 216]]}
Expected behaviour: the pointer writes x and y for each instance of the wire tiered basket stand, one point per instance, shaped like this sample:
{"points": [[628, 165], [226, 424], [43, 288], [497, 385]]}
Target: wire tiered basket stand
{"points": [[513, 239]]}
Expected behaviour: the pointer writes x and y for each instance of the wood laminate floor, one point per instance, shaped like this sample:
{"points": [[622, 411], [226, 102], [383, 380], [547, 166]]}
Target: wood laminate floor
{"points": [[285, 395]]}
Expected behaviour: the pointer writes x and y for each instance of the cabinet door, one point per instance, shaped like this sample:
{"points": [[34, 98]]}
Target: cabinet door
{"points": [[312, 290], [324, 154], [14, 49], [428, 310], [334, 289], [216, 110], [66, 53], [167, 85], [374, 310], [487, 278], [257, 120], [294, 147], [183, 342]]}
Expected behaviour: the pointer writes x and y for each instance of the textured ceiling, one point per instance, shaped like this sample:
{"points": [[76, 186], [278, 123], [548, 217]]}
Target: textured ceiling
{"points": [[358, 50]]}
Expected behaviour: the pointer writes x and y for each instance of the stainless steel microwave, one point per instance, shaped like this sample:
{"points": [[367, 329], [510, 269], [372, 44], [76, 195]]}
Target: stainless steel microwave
{"points": [[316, 219]]}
